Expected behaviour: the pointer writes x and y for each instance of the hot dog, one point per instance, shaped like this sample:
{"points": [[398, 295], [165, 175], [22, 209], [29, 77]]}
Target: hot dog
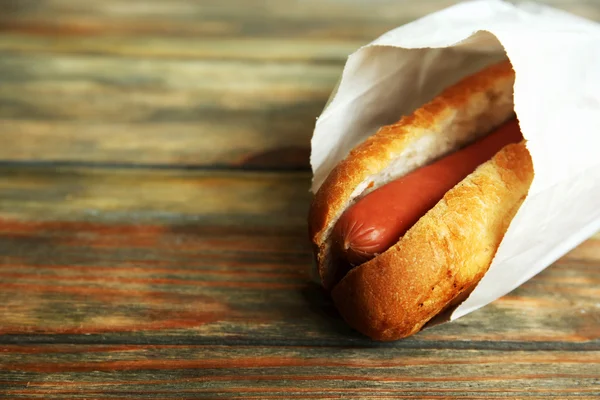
{"points": [[430, 197], [378, 220]]}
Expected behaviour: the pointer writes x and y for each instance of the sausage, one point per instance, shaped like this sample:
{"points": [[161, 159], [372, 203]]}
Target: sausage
{"points": [[378, 220]]}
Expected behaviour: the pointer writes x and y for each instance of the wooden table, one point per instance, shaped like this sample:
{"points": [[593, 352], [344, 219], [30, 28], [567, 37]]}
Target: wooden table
{"points": [[154, 163]]}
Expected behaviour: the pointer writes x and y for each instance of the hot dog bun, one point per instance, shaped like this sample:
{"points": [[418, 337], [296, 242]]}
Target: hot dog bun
{"points": [[443, 256], [375, 222]]}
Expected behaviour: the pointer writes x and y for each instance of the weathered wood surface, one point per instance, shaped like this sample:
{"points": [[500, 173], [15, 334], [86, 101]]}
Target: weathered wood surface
{"points": [[153, 193], [134, 283], [230, 83]]}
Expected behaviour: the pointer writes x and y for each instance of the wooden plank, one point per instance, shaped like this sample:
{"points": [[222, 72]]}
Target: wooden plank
{"points": [[150, 195], [117, 89], [216, 18], [273, 49], [349, 19], [119, 371], [215, 258], [256, 143], [119, 110]]}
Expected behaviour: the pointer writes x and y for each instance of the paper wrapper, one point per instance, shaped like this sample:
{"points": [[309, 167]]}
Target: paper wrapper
{"points": [[556, 58]]}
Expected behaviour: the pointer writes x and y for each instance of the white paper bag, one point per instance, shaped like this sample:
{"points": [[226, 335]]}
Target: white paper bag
{"points": [[556, 57]]}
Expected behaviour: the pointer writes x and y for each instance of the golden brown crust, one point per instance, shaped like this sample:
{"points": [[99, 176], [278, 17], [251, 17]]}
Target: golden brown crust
{"points": [[479, 103], [444, 255]]}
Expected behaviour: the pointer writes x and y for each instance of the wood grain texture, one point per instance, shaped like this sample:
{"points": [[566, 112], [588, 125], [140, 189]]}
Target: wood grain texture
{"points": [[159, 111], [292, 372], [233, 83], [103, 294], [116, 195], [214, 18], [230, 18], [153, 196]]}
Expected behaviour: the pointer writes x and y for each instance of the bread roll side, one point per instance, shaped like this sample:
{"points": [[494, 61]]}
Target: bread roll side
{"points": [[463, 112], [442, 256]]}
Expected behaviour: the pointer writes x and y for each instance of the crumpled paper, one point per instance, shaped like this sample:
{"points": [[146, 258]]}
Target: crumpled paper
{"points": [[556, 58]]}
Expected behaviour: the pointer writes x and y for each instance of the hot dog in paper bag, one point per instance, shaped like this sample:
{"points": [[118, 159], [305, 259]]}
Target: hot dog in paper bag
{"points": [[457, 159]]}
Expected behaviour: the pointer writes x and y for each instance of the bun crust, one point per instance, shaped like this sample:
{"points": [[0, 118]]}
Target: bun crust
{"points": [[460, 114], [440, 258], [447, 252]]}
